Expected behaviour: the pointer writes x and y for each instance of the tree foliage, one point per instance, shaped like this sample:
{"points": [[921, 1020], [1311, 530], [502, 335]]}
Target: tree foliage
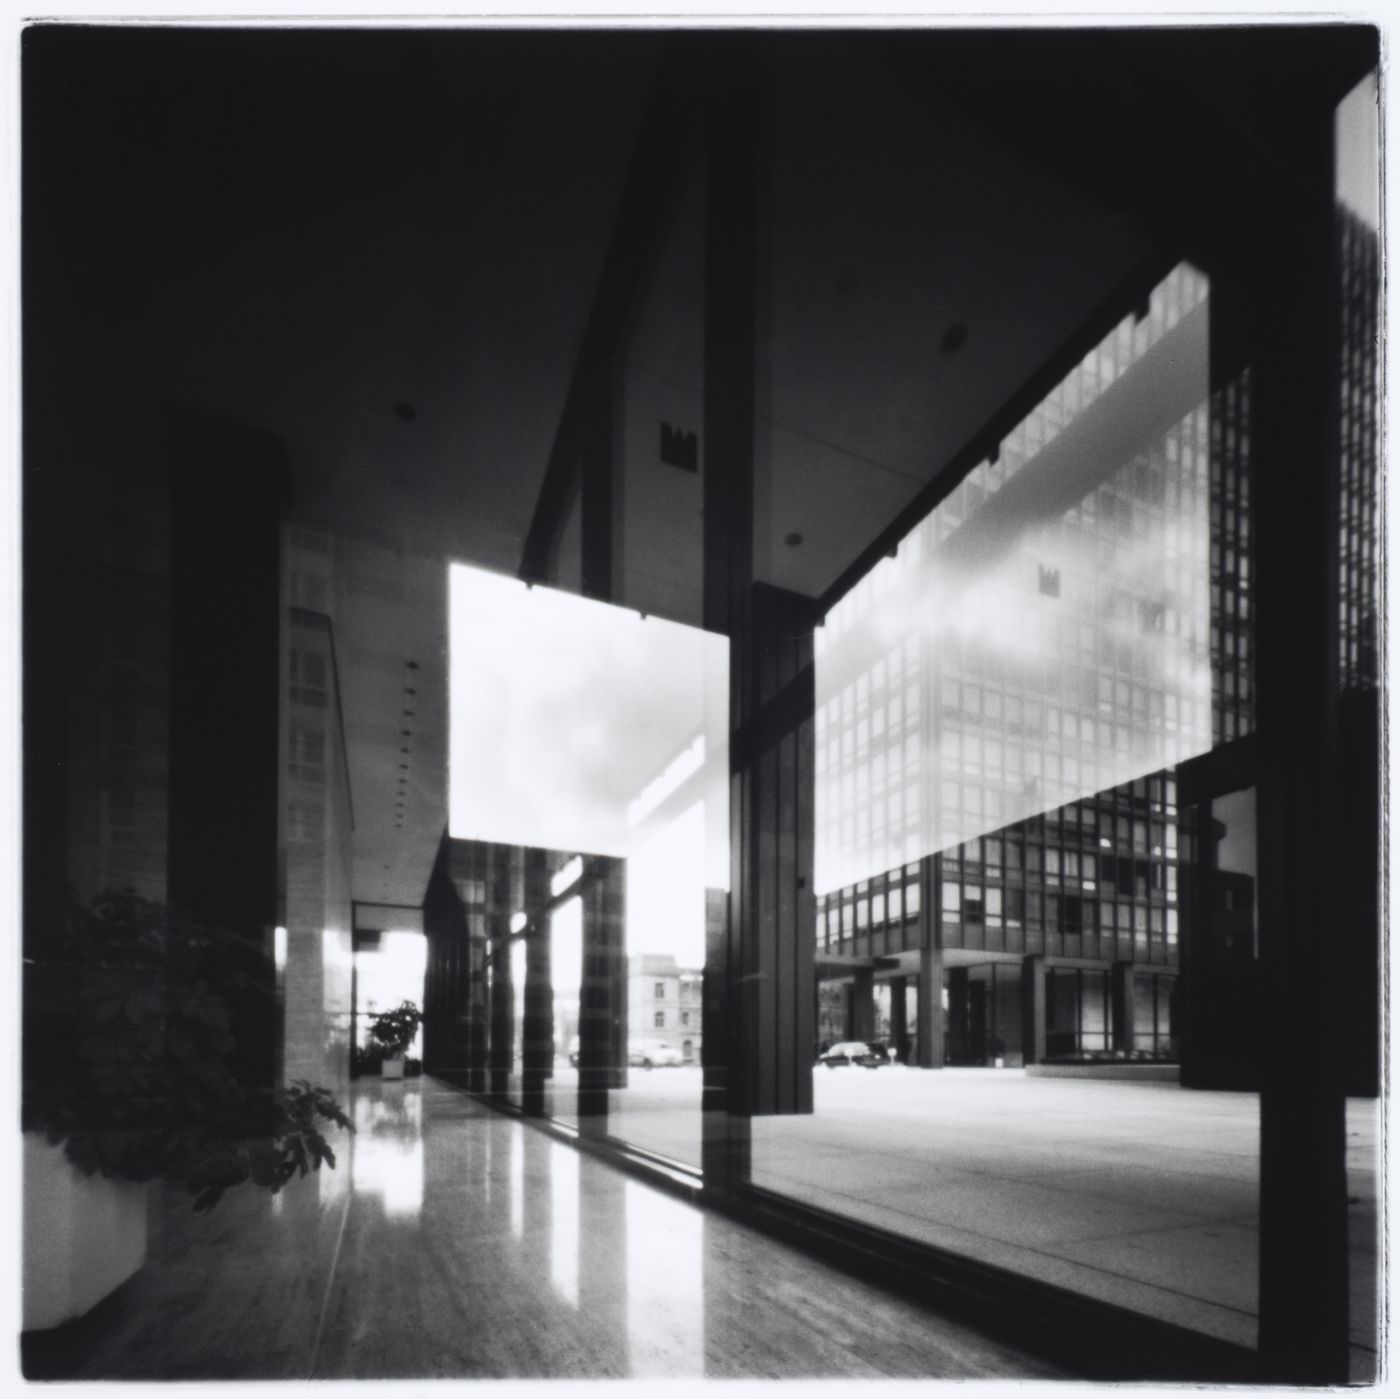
{"points": [[394, 1029], [129, 1055]]}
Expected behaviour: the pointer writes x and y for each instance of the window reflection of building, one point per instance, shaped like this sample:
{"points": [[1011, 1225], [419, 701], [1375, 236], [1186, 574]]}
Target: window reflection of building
{"points": [[933, 735], [664, 1002]]}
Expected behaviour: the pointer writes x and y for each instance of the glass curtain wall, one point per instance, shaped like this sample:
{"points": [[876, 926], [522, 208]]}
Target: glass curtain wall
{"points": [[1002, 706]]}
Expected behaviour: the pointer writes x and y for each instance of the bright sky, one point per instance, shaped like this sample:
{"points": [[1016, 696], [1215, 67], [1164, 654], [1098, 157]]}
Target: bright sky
{"points": [[584, 727]]}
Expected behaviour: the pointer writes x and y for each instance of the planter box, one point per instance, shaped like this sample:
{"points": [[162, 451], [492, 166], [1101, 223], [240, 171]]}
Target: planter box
{"points": [[392, 1068], [83, 1235]]}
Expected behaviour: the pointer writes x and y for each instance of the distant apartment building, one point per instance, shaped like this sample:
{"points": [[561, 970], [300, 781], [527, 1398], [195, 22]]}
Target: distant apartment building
{"points": [[664, 1003]]}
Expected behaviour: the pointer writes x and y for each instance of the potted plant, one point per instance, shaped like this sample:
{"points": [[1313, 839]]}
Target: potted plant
{"points": [[391, 1032], [129, 1076]]}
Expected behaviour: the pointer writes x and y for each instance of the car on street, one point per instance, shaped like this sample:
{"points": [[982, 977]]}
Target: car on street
{"points": [[851, 1052], [653, 1054]]}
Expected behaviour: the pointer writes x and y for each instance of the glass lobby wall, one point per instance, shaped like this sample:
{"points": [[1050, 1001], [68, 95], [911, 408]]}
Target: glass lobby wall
{"points": [[587, 759], [1357, 136], [1000, 711]]}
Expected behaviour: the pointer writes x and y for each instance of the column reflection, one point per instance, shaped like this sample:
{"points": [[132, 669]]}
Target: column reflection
{"points": [[564, 1219], [665, 1284]]}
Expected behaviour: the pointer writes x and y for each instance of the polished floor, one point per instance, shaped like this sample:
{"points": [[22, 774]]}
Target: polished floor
{"points": [[452, 1241]]}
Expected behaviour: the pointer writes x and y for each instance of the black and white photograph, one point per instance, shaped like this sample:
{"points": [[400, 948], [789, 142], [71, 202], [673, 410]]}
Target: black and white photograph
{"points": [[700, 699]]}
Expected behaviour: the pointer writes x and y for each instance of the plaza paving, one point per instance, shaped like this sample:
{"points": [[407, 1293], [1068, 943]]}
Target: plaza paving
{"points": [[1144, 1195]]}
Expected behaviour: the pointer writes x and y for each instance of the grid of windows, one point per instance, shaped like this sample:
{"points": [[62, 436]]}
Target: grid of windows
{"points": [[1231, 559], [1360, 521], [1098, 878], [966, 698]]}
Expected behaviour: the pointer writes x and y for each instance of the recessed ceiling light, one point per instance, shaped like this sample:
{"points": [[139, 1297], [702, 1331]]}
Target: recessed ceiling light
{"points": [[406, 411], [793, 540], [409, 690], [408, 713], [413, 665], [406, 733], [955, 337]]}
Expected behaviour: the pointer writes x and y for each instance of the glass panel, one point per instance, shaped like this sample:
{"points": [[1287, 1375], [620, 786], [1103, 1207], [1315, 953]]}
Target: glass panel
{"points": [[589, 777], [1054, 621]]}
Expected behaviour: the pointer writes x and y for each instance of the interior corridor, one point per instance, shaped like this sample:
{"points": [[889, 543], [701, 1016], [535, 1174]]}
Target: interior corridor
{"points": [[454, 1242]]}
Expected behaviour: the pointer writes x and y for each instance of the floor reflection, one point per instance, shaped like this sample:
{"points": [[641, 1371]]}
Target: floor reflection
{"points": [[665, 1283], [564, 1220], [453, 1241], [386, 1153]]}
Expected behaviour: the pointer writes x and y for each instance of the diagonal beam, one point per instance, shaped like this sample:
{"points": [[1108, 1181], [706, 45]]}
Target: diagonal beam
{"points": [[655, 180]]}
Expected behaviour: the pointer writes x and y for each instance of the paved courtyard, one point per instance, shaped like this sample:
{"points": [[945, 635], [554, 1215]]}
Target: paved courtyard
{"points": [[1141, 1194]]}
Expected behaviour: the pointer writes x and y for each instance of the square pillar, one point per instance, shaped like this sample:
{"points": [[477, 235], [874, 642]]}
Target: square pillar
{"points": [[958, 1037], [931, 1028], [860, 1009], [1033, 1009], [899, 1025], [930, 1008], [1121, 993], [500, 1054], [537, 1033], [1295, 479], [764, 969]]}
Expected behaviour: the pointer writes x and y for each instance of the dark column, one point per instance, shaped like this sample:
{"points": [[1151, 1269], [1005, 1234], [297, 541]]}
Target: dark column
{"points": [[899, 1028], [602, 1025], [860, 1021], [765, 967], [537, 1042], [502, 1035], [958, 1048], [1302, 1194], [1033, 1009], [447, 983], [227, 489], [1121, 991], [478, 1027]]}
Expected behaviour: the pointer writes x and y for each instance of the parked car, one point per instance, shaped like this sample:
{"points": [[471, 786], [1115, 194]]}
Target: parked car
{"points": [[652, 1054], [853, 1052]]}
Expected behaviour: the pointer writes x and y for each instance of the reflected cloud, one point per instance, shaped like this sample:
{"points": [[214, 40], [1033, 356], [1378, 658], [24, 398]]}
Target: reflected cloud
{"points": [[1045, 633], [567, 712]]}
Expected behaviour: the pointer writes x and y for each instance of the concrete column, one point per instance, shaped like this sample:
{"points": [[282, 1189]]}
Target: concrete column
{"points": [[860, 1014], [930, 1008], [1033, 1009], [1121, 993]]}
